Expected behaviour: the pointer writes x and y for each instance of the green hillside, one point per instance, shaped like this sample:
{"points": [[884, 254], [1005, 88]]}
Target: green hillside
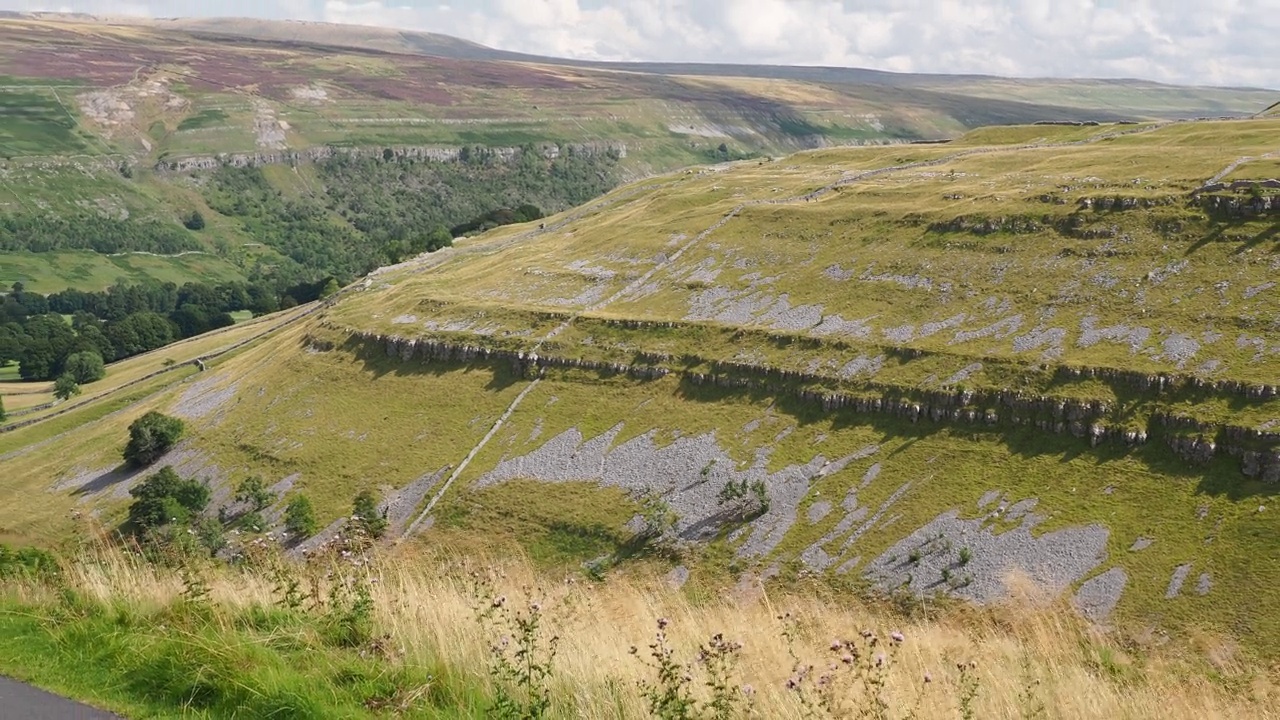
{"points": [[313, 150], [1046, 349]]}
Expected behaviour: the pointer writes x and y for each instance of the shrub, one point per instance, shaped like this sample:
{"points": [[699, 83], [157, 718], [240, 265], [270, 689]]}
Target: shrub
{"points": [[253, 521], [3, 416], [209, 533], [300, 518], [151, 436], [65, 387], [85, 367], [26, 562], [365, 514], [194, 221], [253, 492], [165, 498]]}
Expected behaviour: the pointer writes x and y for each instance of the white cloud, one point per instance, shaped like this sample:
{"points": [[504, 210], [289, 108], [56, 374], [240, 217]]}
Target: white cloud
{"points": [[1228, 42]]}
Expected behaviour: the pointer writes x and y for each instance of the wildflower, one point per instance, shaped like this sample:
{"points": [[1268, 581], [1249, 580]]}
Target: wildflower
{"points": [[633, 650], [500, 601], [748, 691], [793, 683], [879, 659], [897, 636], [835, 645], [662, 623], [536, 607], [928, 678], [847, 659]]}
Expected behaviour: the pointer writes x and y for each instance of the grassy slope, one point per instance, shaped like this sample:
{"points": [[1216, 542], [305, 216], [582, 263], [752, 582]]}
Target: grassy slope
{"points": [[121, 636], [347, 417]]}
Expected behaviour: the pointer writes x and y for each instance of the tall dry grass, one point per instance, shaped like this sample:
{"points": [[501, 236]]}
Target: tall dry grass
{"points": [[1032, 658]]}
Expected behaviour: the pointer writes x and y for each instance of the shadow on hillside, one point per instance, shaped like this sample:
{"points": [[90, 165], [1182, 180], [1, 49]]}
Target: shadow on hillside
{"points": [[1213, 236], [107, 480], [1220, 477], [376, 362], [1270, 233], [1246, 244]]}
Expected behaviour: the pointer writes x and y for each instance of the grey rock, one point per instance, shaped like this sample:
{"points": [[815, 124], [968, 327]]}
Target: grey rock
{"points": [[849, 564], [205, 397], [987, 498], [1049, 338], [862, 365], [1204, 584], [817, 511], [678, 576], [998, 330], [1098, 596], [834, 325], [900, 334], [1021, 508], [1179, 349], [1253, 291], [1090, 334], [932, 328], [1175, 582], [1140, 544], [676, 472], [963, 373], [1054, 561], [872, 473]]}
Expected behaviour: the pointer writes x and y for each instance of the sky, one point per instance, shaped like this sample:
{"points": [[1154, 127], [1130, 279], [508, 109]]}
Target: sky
{"points": [[1224, 42]]}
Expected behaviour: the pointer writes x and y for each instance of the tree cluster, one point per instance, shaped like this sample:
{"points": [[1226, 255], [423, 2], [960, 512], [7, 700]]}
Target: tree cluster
{"points": [[124, 320], [90, 231]]}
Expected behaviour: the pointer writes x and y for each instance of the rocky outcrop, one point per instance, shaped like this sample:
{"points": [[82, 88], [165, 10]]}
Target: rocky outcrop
{"points": [[320, 153], [1016, 225], [1240, 207], [1237, 185], [1120, 203], [1191, 440]]}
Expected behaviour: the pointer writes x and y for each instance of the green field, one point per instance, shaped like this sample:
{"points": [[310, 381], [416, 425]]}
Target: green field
{"points": [[54, 271], [34, 121]]}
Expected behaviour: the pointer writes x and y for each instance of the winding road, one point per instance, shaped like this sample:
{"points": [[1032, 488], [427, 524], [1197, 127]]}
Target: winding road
{"points": [[19, 701]]}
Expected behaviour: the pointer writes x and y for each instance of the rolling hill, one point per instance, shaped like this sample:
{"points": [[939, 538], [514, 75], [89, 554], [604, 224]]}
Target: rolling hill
{"points": [[135, 123], [1043, 348]]}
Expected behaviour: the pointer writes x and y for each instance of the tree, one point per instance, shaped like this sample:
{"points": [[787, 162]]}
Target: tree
{"points": [[140, 332], [3, 416], [85, 366], [299, 518], [66, 387], [366, 516], [253, 492], [194, 221], [150, 436], [329, 288], [165, 498]]}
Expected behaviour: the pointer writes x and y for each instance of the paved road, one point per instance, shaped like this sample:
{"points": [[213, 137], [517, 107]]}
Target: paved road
{"points": [[19, 701]]}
